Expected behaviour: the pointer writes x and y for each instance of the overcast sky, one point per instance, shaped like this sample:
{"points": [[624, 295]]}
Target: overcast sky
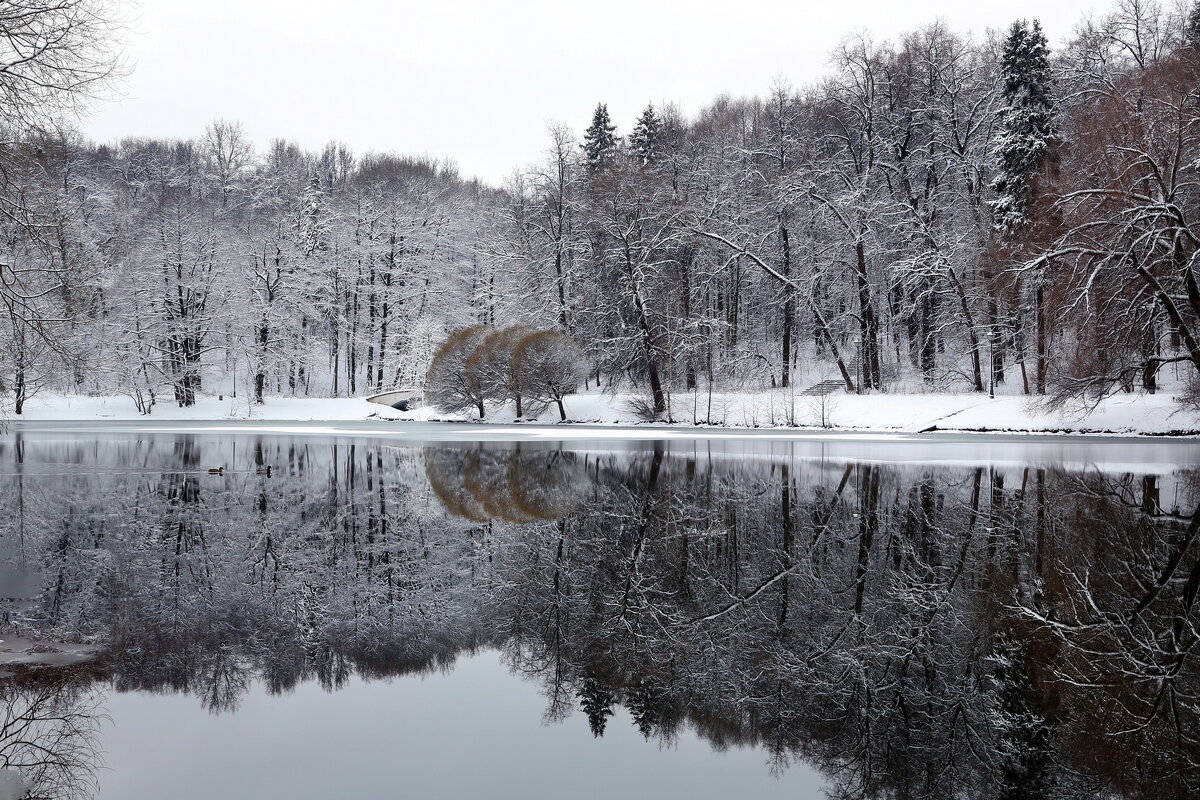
{"points": [[478, 80]]}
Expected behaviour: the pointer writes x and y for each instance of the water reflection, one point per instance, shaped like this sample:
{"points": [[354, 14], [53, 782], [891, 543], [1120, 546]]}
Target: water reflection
{"points": [[913, 630], [49, 735], [507, 482]]}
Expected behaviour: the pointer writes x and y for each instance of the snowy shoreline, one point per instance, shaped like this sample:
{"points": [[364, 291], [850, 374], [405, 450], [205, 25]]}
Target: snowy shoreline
{"points": [[1144, 415]]}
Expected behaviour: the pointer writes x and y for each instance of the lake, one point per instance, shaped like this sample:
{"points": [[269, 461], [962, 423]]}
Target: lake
{"points": [[365, 610]]}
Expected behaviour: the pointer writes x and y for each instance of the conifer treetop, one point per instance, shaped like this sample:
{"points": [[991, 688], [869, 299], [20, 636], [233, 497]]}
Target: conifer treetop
{"points": [[646, 139], [600, 140], [1026, 122]]}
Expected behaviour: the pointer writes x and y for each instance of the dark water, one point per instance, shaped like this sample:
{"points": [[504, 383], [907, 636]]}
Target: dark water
{"points": [[642, 619]]}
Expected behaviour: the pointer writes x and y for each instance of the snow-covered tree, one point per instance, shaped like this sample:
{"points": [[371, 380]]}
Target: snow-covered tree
{"points": [[889, 227], [645, 138], [1026, 122], [600, 141], [55, 55], [1191, 28]]}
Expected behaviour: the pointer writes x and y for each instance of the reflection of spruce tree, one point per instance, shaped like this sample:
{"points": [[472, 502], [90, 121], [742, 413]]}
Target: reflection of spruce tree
{"points": [[644, 702], [1023, 733], [596, 700]]}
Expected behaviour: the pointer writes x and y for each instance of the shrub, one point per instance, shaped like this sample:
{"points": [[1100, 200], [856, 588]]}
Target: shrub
{"points": [[642, 408]]}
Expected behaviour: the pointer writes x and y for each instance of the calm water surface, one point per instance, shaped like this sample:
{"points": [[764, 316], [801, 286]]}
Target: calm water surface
{"points": [[381, 616]]}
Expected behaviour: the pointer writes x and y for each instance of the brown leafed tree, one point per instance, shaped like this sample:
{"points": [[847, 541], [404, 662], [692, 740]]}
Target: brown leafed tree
{"points": [[449, 384], [549, 365], [491, 365], [1129, 242]]}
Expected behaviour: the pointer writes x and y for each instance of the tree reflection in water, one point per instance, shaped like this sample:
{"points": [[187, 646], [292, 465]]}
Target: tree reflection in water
{"points": [[481, 483], [49, 734], [917, 631]]}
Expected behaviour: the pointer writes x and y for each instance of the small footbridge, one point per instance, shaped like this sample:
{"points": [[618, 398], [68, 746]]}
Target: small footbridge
{"points": [[399, 399]]}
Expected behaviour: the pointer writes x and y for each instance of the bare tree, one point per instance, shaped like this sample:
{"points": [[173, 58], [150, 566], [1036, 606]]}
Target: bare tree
{"points": [[1129, 241], [50, 734], [228, 150], [55, 55]]}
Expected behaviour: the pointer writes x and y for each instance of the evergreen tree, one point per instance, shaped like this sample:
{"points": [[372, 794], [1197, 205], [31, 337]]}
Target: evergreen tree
{"points": [[596, 700], [1026, 760], [314, 224], [1026, 122], [646, 139], [599, 141], [1191, 28]]}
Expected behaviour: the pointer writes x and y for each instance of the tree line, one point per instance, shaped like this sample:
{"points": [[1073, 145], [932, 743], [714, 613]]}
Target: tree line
{"points": [[937, 213]]}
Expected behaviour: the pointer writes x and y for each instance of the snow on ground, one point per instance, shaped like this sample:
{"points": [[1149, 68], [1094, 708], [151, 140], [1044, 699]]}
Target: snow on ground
{"points": [[207, 408], [1151, 414], [1120, 414], [22, 651]]}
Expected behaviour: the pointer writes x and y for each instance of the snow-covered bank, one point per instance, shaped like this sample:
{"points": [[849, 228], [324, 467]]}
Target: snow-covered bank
{"points": [[1128, 414], [207, 408]]}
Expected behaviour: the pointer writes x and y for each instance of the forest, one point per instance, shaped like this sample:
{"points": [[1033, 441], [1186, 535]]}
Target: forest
{"points": [[936, 213]]}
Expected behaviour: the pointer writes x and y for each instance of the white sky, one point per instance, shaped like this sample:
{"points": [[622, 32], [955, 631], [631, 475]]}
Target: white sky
{"points": [[478, 80]]}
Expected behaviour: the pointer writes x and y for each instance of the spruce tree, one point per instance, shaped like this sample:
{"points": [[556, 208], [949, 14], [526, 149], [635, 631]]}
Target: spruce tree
{"points": [[599, 141], [314, 225], [1026, 122], [646, 139], [1191, 28]]}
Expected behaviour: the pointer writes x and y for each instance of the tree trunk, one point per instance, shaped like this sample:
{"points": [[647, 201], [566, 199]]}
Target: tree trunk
{"points": [[19, 391], [333, 358], [1189, 339], [972, 336], [997, 351], [789, 306], [648, 345], [260, 376], [868, 325], [560, 281], [685, 292], [928, 338], [1040, 345]]}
